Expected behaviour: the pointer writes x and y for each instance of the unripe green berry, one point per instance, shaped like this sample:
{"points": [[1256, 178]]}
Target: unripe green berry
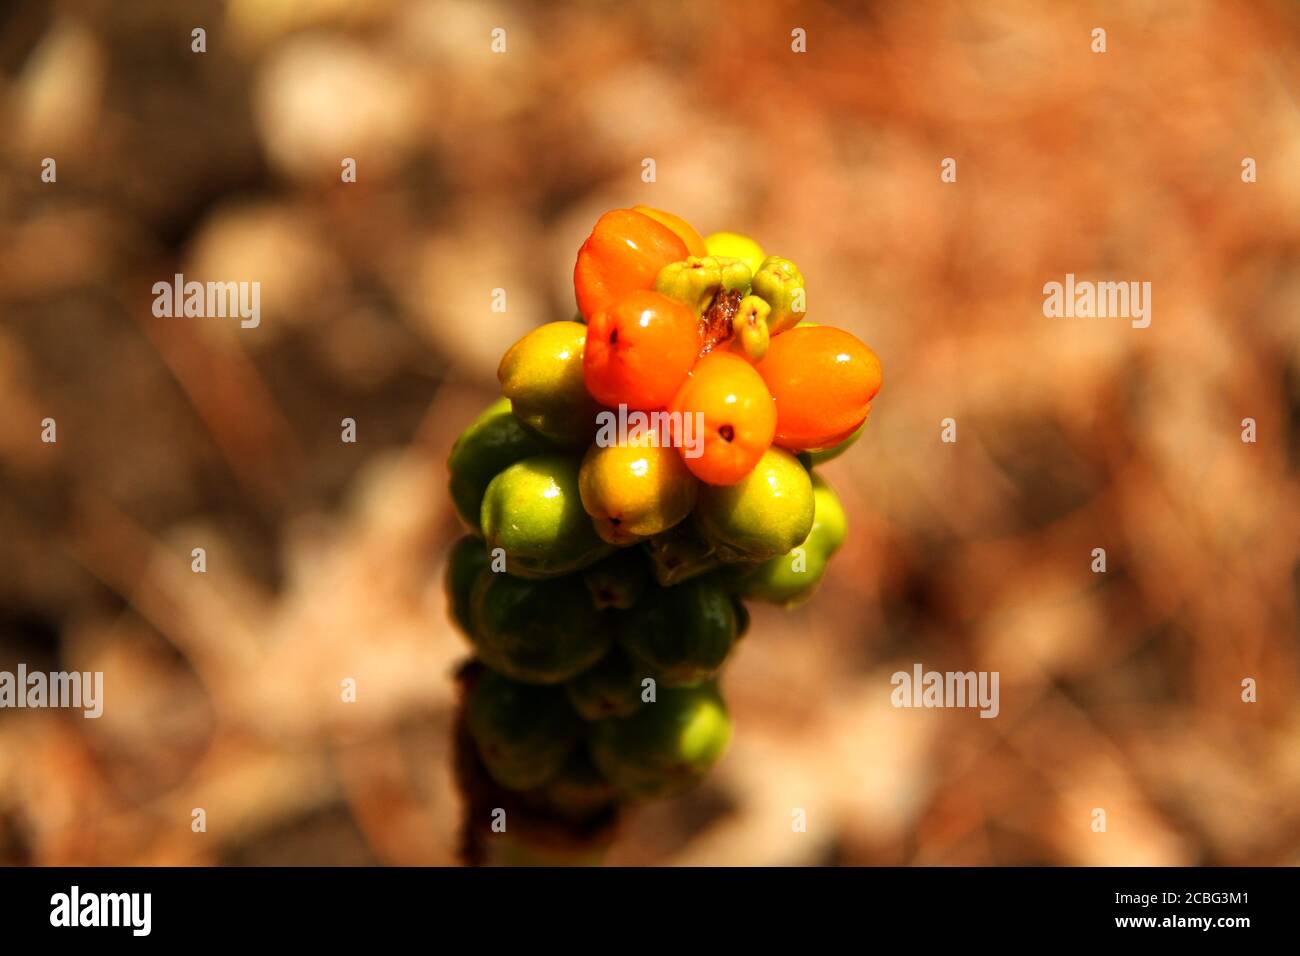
{"points": [[533, 511], [542, 375], [763, 515], [684, 632], [696, 281], [791, 578], [788, 579], [781, 284], [468, 558], [493, 441], [693, 281], [524, 734], [540, 632], [830, 523], [666, 747], [736, 275]]}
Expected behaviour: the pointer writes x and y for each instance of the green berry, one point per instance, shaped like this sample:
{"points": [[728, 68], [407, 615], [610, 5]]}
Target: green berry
{"points": [[533, 511], [781, 284], [493, 441], [763, 515], [830, 523], [524, 734], [467, 559], [736, 275], [697, 280], [693, 281], [666, 747], [610, 688], [787, 579], [792, 578], [542, 376], [684, 632], [541, 632]]}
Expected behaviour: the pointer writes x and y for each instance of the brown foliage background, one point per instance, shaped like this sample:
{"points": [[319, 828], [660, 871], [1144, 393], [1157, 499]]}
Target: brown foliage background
{"points": [[1120, 691]]}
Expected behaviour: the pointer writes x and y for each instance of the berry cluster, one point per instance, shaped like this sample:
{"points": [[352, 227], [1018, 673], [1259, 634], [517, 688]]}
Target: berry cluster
{"points": [[602, 587]]}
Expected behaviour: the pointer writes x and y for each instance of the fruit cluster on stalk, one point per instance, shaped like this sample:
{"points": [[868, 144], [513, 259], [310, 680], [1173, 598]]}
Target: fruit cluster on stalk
{"points": [[602, 583]]}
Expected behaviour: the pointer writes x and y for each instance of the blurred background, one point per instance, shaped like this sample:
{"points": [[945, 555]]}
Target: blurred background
{"points": [[476, 170]]}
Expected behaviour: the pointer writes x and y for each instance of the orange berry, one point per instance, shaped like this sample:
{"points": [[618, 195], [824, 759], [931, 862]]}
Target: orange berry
{"points": [[822, 380], [739, 418], [639, 349], [685, 231], [625, 251]]}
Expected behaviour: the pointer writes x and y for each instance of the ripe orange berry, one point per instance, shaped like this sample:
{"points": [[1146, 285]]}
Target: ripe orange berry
{"points": [[625, 251], [685, 231], [639, 349], [822, 380], [738, 414]]}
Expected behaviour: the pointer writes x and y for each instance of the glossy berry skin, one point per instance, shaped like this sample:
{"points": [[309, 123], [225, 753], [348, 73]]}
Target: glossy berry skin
{"points": [[765, 514], [532, 510], [541, 375], [537, 632], [792, 578], [524, 734], [495, 440], [786, 580], [626, 561], [738, 414], [635, 491], [666, 747], [685, 231], [623, 254], [684, 633], [750, 331], [639, 350], [822, 380], [830, 523]]}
